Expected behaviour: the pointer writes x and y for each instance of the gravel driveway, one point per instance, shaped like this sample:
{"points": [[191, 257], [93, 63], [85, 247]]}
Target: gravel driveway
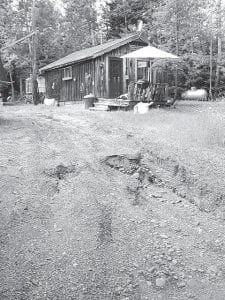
{"points": [[87, 214]]}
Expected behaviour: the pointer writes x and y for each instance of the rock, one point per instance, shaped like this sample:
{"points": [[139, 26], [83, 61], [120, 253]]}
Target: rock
{"points": [[156, 196], [118, 290], [149, 283], [160, 282], [197, 223], [189, 295], [154, 221], [34, 282], [212, 270], [140, 221], [135, 175], [141, 273], [182, 275], [181, 284], [176, 201], [163, 224], [200, 270], [152, 270], [163, 236]]}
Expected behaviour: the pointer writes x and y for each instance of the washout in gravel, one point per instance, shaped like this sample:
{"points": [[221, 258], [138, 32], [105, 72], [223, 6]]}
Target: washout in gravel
{"points": [[98, 205]]}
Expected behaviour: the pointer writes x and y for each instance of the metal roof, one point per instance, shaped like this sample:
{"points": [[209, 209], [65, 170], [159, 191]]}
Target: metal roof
{"points": [[92, 52]]}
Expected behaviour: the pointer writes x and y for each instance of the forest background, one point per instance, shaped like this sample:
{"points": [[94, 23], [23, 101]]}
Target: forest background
{"points": [[191, 29]]}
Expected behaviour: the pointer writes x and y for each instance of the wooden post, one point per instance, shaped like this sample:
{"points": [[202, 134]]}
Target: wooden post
{"points": [[12, 85], [34, 55]]}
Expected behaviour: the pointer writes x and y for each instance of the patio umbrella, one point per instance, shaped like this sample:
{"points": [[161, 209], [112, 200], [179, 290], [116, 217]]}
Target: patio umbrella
{"points": [[149, 53]]}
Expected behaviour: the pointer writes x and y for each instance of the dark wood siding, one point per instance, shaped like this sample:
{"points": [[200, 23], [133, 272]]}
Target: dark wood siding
{"points": [[74, 89]]}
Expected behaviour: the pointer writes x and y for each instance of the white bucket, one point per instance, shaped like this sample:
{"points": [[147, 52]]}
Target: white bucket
{"points": [[50, 102], [141, 108]]}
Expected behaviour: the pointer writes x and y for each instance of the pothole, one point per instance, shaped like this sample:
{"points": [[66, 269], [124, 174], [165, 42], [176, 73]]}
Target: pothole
{"points": [[60, 171], [124, 163]]}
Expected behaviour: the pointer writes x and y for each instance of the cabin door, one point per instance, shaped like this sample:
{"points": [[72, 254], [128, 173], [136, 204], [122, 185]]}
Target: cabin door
{"points": [[115, 77]]}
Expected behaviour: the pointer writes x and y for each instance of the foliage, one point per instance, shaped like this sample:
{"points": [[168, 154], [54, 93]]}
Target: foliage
{"points": [[123, 15], [183, 27], [57, 33], [79, 24]]}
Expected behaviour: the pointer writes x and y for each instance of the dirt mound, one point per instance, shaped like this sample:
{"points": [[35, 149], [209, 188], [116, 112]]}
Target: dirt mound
{"points": [[132, 165], [148, 167]]}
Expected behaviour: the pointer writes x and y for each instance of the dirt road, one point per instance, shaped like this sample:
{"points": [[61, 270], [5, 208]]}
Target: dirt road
{"points": [[90, 211]]}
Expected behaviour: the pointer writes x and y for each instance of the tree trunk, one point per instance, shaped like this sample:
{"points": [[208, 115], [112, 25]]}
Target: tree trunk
{"points": [[210, 68], [34, 55], [210, 56], [219, 44], [12, 85], [21, 87]]}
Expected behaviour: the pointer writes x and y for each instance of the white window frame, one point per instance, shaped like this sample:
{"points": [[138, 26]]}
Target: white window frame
{"points": [[67, 73]]}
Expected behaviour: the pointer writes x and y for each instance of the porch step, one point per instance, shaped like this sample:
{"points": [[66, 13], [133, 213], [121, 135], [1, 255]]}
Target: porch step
{"points": [[100, 108], [113, 104]]}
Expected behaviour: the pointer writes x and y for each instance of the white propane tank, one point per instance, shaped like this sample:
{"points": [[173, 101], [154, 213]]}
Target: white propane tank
{"points": [[195, 94]]}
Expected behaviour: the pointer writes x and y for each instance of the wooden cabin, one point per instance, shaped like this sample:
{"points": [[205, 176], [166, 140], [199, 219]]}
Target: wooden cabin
{"points": [[98, 70]]}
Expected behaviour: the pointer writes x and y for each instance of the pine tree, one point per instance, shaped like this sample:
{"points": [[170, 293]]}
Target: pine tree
{"points": [[122, 16], [79, 24]]}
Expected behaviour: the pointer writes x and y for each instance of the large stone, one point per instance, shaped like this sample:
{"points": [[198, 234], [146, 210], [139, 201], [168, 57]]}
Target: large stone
{"points": [[160, 282]]}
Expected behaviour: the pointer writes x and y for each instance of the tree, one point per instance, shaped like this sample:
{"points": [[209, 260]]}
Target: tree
{"points": [[79, 24], [177, 23], [123, 15], [26, 17]]}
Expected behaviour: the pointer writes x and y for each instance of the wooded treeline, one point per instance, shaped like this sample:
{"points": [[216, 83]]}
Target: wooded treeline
{"points": [[192, 29]]}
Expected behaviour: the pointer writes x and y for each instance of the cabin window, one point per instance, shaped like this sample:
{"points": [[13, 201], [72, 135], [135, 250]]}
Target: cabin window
{"points": [[67, 73], [142, 70]]}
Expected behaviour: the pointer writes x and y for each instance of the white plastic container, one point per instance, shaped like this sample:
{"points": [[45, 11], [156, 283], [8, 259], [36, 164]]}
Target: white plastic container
{"points": [[50, 102], [141, 108]]}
